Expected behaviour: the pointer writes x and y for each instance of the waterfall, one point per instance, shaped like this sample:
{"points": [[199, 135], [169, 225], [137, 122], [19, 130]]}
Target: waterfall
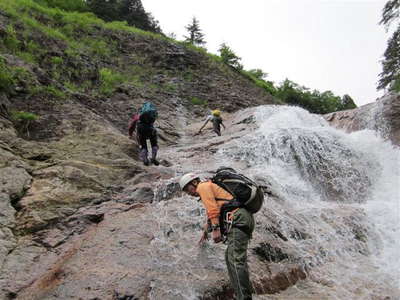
{"points": [[341, 189], [333, 209]]}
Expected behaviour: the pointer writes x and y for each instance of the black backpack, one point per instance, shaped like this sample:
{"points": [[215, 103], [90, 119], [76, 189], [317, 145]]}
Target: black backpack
{"points": [[245, 191], [148, 113]]}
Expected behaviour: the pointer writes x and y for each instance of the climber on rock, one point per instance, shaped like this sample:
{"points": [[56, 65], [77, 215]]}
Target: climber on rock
{"points": [[237, 224], [216, 120], [143, 122]]}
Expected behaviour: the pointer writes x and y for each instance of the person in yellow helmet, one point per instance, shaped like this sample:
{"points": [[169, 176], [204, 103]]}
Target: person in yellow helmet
{"points": [[216, 120]]}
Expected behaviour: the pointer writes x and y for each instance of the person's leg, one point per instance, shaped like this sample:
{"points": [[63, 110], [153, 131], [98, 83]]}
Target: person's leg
{"points": [[217, 128], [142, 139], [154, 147], [236, 254]]}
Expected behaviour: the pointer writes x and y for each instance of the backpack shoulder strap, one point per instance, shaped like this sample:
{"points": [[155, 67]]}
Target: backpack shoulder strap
{"points": [[221, 199]]}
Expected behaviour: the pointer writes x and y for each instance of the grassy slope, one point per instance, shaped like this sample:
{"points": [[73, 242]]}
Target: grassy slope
{"points": [[49, 56]]}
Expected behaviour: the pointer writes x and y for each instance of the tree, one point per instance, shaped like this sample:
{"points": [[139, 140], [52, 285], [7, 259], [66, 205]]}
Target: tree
{"points": [[390, 12], [313, 101], [258, 73], [391, 63], [390, 76], [196, 37], [131, 11], [229, 57], [347, 103], [105, 9]]}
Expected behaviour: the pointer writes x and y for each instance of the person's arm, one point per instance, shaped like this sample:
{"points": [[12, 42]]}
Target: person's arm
{"points": [[132, 125], [208, 119], [204, 236], [207, 197], [223, 125]]}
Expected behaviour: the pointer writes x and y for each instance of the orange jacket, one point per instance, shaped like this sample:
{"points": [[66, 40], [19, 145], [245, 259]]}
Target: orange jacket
{"points": [[208, 192]]}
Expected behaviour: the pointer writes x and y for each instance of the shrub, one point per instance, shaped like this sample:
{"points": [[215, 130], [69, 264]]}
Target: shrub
{"points": [[50, 90], [229, 57], [24, 116], [257, 75], [10, 40], [54, 91], [56, 60], [109, 80], [23, 120], [170, 87], [197, 101], [68, 5], [6, 77]]}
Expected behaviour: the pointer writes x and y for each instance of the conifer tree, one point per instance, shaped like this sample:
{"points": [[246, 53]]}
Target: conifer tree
{"points": [[390, 76], [131, 11], [196, 37], [347, 103], [229, 57]]}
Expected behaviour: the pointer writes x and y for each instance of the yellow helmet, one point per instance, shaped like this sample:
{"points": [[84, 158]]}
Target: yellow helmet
{"points": [[216, 113]]}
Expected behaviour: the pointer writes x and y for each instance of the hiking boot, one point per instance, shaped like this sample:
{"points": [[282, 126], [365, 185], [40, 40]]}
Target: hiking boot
{"points": [[146, 162], [155, 161]]}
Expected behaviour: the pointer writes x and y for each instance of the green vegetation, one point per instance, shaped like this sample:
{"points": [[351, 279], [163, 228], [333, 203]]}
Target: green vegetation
{"points": [[54, 91], [6, 77], [23, 120], [77, 48], [129, 11], [109, 80], [229, 57], [10, 77], [56, 60], [257, 76], [68, 5], [314, 101], [195, 37], [50, 91], [23, 116], [390, 75], [198, 101], [10, 40]]}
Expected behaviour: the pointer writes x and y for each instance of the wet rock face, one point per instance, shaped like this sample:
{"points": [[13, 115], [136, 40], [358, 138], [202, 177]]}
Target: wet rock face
{"points": [[137, 239], [269, 253], [382, 116]]}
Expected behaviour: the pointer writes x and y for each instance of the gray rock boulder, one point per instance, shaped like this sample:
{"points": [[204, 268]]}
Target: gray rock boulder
{"points": [[382, 116]]}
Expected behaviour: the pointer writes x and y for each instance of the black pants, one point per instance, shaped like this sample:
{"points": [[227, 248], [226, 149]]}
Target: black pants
{"points": [[147, 132], [217, 128]]}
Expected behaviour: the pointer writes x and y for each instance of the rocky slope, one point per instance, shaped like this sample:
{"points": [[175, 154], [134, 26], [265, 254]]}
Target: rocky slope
{"points": [[74, 237], [81, 217], [382, 116], [81, 223], [67, 171], [77, 149]]}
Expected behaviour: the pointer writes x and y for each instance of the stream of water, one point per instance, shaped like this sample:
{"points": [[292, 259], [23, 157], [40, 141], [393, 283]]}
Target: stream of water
{"points": [[336, 202]]}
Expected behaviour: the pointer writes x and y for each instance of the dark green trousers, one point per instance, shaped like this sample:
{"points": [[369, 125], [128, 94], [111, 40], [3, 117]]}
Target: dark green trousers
{"points": [[236, 254]]}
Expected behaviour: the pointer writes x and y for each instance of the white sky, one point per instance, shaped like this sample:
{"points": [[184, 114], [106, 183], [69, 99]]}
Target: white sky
{"points": [[322, 44]]}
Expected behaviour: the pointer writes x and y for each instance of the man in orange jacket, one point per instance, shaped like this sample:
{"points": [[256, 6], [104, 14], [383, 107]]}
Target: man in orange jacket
{"points": [[238, 235]]}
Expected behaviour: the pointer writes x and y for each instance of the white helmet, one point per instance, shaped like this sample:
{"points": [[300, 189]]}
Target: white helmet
{"points": [[186, 179]]}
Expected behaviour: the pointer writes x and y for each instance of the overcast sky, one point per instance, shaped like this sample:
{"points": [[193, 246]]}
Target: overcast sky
{"points": [[322, 44]]}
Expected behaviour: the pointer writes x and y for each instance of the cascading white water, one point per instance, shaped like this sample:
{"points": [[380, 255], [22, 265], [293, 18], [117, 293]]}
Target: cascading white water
{"points": [[307, 162], [336, 202]]}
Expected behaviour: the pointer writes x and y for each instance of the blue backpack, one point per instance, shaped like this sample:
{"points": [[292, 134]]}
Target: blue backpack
{"points": [[148, 113]]}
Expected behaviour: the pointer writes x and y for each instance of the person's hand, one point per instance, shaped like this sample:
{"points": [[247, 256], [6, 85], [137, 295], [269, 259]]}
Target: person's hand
{"points": [[204, 237], [216, 236]]}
